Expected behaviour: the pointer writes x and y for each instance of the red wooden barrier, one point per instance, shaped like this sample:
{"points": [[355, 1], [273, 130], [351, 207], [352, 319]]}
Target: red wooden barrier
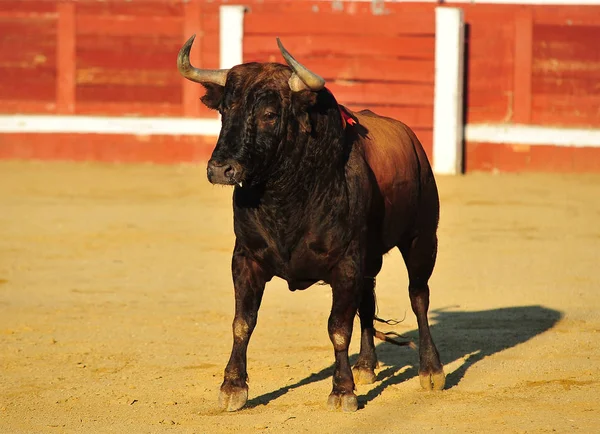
{"points": [[533, 64], [536, 65], [525, 64]]}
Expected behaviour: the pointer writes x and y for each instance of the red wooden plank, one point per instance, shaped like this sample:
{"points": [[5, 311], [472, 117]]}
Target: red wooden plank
{"points": [[486, 114], [479, 157], [491, 14], [191, 92], [586, 160], [131, 45], [27, 8], [341, 8], [328, 23], [154, 58], [19, 106], [12, 25], [28, 84], [139, 8], [496, 157], [348, 68], [420, 117], [567, 110], [128, 109], [571, 83], [138, 109], [511, 158], [567, 43], [582, 102], [499, 42], [129, 93], [23, 15], [26, 58], [551, 159], [127, 25], [264, 47], [522, 158], [415, 71], [489, 92], [132, 77], [576, 15], [364, 93], [489, 78], [107, 147], [523, 66], [65, 55]]}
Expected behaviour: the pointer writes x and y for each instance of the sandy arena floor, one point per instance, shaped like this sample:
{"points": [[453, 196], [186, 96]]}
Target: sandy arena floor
{"points": [[116, 303]]}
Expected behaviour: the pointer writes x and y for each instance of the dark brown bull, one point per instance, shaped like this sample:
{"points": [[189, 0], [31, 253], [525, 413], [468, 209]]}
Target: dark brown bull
{"points": [[318, 199]]}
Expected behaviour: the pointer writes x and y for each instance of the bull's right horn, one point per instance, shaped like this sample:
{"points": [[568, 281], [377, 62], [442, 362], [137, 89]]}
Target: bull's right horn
{"points": [[302, 78], [216, 76]]}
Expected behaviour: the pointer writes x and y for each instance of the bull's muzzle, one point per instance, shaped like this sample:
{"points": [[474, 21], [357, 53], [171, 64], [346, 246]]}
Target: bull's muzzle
{"points": [[224, 172]]}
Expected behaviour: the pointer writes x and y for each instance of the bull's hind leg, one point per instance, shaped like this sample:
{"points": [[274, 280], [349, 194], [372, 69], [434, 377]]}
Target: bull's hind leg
{"points": [[364, 369], [249, 283], [419, 256]]}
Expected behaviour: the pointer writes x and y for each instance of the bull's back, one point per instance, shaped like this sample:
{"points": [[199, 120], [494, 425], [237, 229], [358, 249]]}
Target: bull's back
{"points": [[405, 186]]}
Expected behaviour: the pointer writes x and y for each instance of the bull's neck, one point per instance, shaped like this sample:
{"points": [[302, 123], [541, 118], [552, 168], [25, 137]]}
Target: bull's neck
{"points": [[308, 167]]}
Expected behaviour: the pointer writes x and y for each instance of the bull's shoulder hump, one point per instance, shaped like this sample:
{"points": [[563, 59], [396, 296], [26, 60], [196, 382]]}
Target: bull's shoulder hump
{"points": [[391, 147], [381, 130]]}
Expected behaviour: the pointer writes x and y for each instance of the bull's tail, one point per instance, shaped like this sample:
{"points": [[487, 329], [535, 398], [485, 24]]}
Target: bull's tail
{"points": [[391, 322], [386, 338]]}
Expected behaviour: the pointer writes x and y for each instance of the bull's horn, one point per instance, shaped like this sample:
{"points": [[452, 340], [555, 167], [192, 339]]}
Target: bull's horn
{"points": [[217, 76], [302, 78]]}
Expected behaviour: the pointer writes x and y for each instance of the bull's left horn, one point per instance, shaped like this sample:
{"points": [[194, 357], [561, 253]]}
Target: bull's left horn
{"points": [[302, 78], [217, 76]]}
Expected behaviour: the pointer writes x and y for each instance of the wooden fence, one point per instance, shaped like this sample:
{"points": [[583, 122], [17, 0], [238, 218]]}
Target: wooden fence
{"points": [[537, 65]]}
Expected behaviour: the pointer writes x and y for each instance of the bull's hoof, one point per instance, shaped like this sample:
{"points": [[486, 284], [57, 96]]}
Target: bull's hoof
{"points": [[347, 401], [432, 381], [233, 398], [363, 375]]}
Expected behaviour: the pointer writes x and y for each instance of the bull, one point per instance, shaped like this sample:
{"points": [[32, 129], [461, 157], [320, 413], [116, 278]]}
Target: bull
{"points": [[320, 195]]}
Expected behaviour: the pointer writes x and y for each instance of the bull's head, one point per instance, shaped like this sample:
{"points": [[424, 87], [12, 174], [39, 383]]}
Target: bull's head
{"points": [[264, 108]]}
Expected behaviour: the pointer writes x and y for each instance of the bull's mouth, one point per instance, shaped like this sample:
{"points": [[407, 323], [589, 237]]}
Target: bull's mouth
{"points": [[225, 173]]}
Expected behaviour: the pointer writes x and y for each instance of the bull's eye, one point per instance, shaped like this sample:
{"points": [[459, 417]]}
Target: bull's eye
{"points": [[270, 116]]}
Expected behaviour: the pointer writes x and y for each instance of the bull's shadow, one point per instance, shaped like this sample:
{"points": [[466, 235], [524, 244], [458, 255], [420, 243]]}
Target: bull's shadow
{"points": [[457, 334]]}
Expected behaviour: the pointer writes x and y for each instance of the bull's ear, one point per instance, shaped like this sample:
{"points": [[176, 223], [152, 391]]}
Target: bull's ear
{"points": [[214, 95], [301, 104]]}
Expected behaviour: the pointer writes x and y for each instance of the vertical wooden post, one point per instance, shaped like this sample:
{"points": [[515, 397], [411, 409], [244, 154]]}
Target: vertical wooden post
{"points": [[65, 58], [191, 92], [231, 35], [448, 121], [523, 66]]}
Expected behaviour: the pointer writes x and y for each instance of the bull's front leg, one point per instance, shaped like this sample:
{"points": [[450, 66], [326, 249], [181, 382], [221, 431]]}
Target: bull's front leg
{"points": [[249, 281], [345, 284]]}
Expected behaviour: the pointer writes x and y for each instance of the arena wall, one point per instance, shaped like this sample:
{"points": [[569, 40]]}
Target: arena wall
{"points": [[88, 79]]}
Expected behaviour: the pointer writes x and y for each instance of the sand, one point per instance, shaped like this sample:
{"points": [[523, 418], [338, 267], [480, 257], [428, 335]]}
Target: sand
{"points": [[116, 304]]}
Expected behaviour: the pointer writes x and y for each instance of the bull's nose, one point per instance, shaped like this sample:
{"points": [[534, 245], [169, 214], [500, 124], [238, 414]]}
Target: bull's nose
{"points": [[221, 172]]}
